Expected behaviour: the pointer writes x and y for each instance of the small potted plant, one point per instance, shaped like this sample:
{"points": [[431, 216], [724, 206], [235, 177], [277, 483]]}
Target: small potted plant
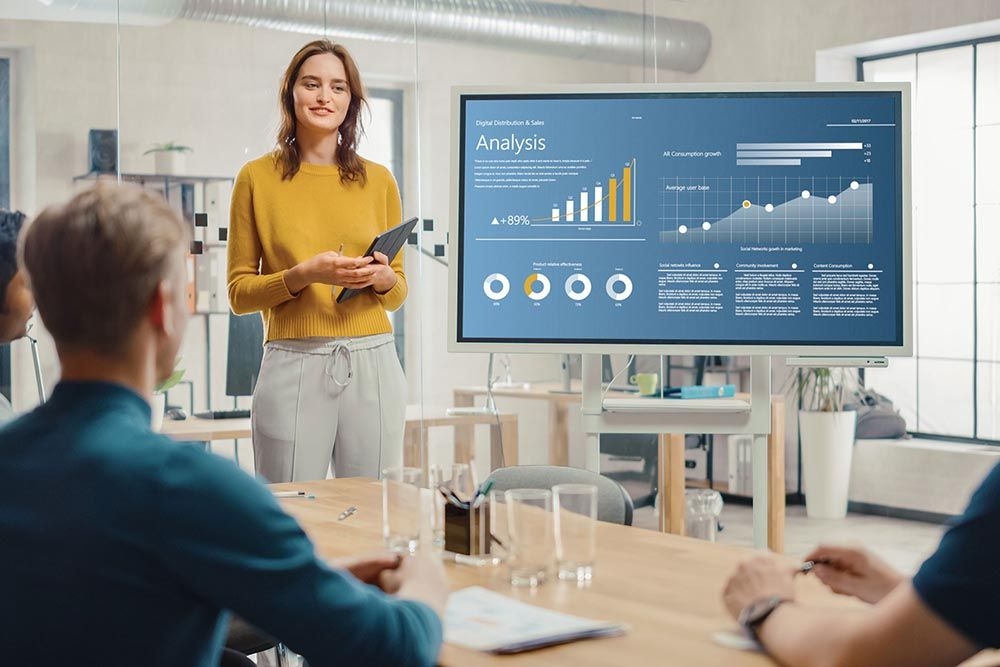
{"points": [[159, 402], [827, 433], [168, 158]]}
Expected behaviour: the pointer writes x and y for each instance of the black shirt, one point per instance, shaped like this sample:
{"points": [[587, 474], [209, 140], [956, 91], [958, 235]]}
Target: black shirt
{"points": [[960, 582]]}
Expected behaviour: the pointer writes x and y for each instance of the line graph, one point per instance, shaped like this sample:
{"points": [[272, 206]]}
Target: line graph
{"points": [[761, 210]]}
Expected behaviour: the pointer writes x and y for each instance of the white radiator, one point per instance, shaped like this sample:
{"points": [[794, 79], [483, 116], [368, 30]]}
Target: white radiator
{"points": [[740, 464]]}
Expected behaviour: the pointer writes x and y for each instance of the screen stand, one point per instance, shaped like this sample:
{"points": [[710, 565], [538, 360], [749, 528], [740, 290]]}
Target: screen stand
{"points": [[508, 376], [490, 408], [564, 375], [673, 417]]}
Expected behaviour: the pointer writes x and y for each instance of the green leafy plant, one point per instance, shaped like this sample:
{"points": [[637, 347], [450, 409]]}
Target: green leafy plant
{"points": [[168, 147], [171, 380], [820, 389]]}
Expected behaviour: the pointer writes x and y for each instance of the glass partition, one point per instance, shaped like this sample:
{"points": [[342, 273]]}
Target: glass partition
{"points": [[516, 45], [199, 99], [180, 97], [58, 131]]}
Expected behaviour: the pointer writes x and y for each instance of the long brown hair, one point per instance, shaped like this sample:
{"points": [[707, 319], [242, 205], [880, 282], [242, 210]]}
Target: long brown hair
{"points": [[352, 167]]}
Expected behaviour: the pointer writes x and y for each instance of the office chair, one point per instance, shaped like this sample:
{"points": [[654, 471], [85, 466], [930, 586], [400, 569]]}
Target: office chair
{"points": [[642, 484], [231, 658], [613, 503], [244, 639]]}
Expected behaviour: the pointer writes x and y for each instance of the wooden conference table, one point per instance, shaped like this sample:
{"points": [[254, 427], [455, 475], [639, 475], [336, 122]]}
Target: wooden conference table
{"points": [[666, 588], [670, 454], [503, 433], [504, 444]]}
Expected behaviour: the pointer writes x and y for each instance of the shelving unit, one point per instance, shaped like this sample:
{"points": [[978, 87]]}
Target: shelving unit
{"points": [[190, 194]]}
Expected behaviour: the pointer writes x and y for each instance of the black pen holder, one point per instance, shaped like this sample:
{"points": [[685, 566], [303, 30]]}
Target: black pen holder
{"points": [[467, 531]]}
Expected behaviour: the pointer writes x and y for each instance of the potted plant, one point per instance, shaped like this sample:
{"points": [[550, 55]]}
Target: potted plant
{"points": [[826, 430], [159, 402], [168, 158]]}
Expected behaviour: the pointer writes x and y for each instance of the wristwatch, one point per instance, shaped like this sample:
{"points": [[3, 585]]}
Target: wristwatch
{"points": [[756, 612]]}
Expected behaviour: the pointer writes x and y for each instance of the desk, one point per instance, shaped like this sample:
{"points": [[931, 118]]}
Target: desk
{"points": [[666, 588], [559, 404], [670, 456], [503, 436], [206, 430], [194, 429], [503, 433]]}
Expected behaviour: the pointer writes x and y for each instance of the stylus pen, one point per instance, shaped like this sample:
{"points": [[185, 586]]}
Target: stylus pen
{"points": [[808, 566], [293, 494]]}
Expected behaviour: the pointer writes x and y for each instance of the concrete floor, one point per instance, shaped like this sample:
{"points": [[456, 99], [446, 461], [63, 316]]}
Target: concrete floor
{"points": [[904, 544]]}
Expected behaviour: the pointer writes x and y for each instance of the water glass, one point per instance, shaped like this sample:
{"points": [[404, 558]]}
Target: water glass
{"points": [[701, 513], [499, 535], [529, 528], [401, 508], [575, 530], [435, 480]]}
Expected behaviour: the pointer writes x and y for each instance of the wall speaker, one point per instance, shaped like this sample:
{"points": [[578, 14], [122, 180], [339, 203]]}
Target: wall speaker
{"points": [[103, 151]]}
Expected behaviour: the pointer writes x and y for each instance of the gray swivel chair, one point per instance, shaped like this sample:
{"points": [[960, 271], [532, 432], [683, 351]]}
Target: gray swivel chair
{"points": [[613, 504]]}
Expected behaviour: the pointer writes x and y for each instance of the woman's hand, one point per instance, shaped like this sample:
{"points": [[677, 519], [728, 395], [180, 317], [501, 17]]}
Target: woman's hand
{"points": [[385, 278], [331, 268]]}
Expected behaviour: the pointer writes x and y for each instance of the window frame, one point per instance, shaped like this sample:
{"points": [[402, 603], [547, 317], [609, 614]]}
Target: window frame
{"points": [[860, 62], [395, 96]]}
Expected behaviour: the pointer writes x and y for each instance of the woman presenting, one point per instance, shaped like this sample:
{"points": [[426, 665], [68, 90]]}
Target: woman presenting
{"points": [[331, 389]]}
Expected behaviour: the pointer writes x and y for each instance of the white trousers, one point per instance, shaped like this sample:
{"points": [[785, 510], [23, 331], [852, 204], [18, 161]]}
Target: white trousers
{"points": [[323, 401]]}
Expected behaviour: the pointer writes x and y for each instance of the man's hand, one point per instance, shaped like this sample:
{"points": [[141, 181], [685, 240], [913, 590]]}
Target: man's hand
{"points": [[419, 577], [370, 569], [853, 571], [758, 578]]}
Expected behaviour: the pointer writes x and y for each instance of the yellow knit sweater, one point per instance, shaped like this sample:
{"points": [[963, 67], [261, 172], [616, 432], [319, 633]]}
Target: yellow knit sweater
{"points": [[276, 224]]}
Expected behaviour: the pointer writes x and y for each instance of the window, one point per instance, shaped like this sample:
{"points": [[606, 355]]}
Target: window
{"points": [[951, 387], [383, 143]]}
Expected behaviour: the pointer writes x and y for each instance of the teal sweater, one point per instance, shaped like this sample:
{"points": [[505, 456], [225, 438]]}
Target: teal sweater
{"points": [[122, 546]]}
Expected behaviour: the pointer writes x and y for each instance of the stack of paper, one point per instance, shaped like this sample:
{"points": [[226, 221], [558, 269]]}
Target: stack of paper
{"points": [[481, 619]]}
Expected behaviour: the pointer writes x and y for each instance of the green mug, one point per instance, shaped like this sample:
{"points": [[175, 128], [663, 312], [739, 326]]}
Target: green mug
{"points": [[648, 383]]}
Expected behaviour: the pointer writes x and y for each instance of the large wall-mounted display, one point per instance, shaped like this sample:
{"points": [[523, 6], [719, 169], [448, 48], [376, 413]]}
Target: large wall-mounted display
{"points": [[768, 218]]}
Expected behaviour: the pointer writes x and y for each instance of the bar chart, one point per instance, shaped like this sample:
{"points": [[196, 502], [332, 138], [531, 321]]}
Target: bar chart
{"points": [[607, 202], [790, 154]]}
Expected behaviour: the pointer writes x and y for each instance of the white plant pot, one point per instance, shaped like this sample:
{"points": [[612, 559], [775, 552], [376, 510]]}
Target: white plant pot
{"points": [[158, 405], [827, 448], [169, 163]]}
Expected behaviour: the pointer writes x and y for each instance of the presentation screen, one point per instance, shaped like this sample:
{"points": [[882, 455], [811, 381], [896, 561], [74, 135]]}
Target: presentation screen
{"points": [[762, 220]]}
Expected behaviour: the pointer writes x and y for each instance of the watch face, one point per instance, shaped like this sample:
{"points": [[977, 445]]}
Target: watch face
{"points": [[758, 611]]}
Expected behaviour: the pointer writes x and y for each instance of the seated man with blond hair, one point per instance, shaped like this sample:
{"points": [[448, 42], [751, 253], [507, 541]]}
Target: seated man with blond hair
{"points": [[122, 547]]}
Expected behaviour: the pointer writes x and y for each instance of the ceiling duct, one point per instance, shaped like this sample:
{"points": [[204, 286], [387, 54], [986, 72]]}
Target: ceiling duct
{"points": [[571, 31]]}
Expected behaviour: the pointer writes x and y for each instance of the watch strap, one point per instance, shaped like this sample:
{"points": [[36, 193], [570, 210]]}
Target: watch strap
{"points": [[757, 612]]}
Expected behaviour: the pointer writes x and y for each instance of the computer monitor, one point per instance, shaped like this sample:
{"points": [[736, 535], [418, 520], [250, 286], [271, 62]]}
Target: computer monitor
{"points": [[693, 219], [246, 349]]}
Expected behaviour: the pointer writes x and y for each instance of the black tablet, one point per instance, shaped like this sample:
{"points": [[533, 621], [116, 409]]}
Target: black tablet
{"points": [[388, 243]]}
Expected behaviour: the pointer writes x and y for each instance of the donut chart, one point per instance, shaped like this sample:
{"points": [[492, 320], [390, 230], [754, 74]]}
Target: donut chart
{"points": [[578, 287], [615, 280], [490, 283], [529, 286]]}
